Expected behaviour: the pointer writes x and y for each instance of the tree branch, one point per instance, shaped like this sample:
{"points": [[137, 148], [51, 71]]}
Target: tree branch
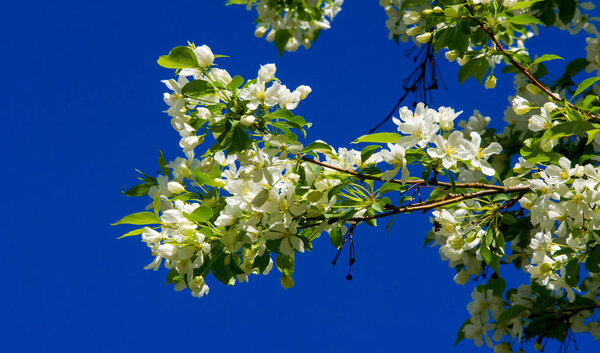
{"points": [[358, 175], [525, 71]]}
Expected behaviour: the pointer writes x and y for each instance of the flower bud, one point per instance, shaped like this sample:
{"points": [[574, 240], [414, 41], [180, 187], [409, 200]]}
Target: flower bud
{"points": [[424, 38], [261, 30], [550, 107], [175, 188], [267, 72], [203, 113], [411, 17], [304, 91], [247, 120], [533, 89], [271, 36], [438, 9], [490, 82], [520, 105], [427, 12], [219, 183], [167, 251], [461, 61], [150, 235], [204, 55], [414, 30], [451, 55]]}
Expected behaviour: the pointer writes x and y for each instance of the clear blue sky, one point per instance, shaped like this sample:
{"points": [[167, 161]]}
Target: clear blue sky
{"points": [[82, 108]]}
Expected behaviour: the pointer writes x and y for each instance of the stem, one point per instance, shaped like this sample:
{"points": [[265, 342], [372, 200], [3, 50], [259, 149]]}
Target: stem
{"points": [[525, 71], [428, 205], [499, 188]]}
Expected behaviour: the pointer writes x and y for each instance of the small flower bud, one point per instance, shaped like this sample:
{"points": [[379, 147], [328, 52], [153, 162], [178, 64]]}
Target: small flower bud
{"points": [[438, 9], [175, 188], [533, 89], [267, 72], [260, 31], [424, 38], [204, 55], [490, 82], [304, 91], [427, 12], [550, 107], [411, 17], [247, 120], [167, 250], [451, 55], [414, 30], [220, 183]]}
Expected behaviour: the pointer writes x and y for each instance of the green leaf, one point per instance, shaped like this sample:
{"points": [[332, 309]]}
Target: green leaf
{"points": [[524, 4], [569, 128], [368, 152], [524, 19], [198, 88], [201, 214], [285, 264], [380, 137], [566, 10], [162, 164], [260, 198], [477, 68], [510, 313], [592, 264], [139, 218], [202, 178], [576, 66], [317, 146], [582, 302], [178, 58], [335, 237], [221, 271], [546, 57], [281, 38], [461, 332], [585, 84], [572, 275], [133, 232], [236, 82], [138, 190], [261, 262]]}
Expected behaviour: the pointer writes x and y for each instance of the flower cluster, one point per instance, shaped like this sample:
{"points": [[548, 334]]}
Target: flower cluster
{"points": [[293, 23], [259, 193]]}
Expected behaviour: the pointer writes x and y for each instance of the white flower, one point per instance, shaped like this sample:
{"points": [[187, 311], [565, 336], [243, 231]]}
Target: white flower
{"points": [[421, 126], [480, 155], [520, 105], [204, 56], [395, 157], [267, 72], [540, 122], [288, 238], [450, 150]]}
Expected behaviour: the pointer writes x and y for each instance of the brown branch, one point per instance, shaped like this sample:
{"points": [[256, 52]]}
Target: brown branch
{"points": [[525, 71], [428, 205], [499, 188]]}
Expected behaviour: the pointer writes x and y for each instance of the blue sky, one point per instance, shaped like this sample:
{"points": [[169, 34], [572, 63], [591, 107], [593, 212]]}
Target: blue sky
{"points": [[82, 108]]}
